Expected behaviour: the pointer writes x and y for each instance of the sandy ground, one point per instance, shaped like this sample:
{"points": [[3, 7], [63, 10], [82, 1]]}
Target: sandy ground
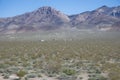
{"points": [[44, 77], [84, 76]]}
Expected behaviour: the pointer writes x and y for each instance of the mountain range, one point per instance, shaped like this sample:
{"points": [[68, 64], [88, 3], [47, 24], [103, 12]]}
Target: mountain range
{"points": [[47, 18]]}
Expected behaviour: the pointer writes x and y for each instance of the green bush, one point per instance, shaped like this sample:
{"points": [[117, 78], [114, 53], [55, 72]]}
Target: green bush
{"points": [[39, 75], [21, 73], [69, 71]]}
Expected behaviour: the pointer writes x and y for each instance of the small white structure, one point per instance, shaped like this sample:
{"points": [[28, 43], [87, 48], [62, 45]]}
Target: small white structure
{"points": [[105, 29], [42, 40]]}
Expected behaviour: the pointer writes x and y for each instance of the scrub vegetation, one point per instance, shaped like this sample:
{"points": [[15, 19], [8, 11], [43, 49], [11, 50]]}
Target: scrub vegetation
{"points": [[96, 58]]}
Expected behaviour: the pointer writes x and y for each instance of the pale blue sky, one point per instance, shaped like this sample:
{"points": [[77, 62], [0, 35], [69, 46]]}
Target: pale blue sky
{"points": [[9, 8]]}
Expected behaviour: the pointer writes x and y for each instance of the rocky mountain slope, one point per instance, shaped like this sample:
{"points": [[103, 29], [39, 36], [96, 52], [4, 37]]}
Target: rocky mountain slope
{"points": [[101, 17], [47, 18]]}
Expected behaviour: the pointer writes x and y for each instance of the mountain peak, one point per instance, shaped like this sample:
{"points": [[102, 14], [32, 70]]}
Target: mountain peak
{"points": [[104, 6], [47, 11], [102, 9], [46, 8]]}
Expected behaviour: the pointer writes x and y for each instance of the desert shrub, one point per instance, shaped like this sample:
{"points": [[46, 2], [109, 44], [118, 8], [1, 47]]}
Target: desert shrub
{"points": [[21, 73], [53, 67], [39, 75], [31, 75], [2, 65], [103, 78], [98, 71], [89, 75], [92, 79], [1, 70], [81, 78], [6, 76], [98, 78], [69, 71]]}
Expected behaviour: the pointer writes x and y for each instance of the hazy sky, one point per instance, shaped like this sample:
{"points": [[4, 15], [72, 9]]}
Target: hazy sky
{"points": [[10, 8]]}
